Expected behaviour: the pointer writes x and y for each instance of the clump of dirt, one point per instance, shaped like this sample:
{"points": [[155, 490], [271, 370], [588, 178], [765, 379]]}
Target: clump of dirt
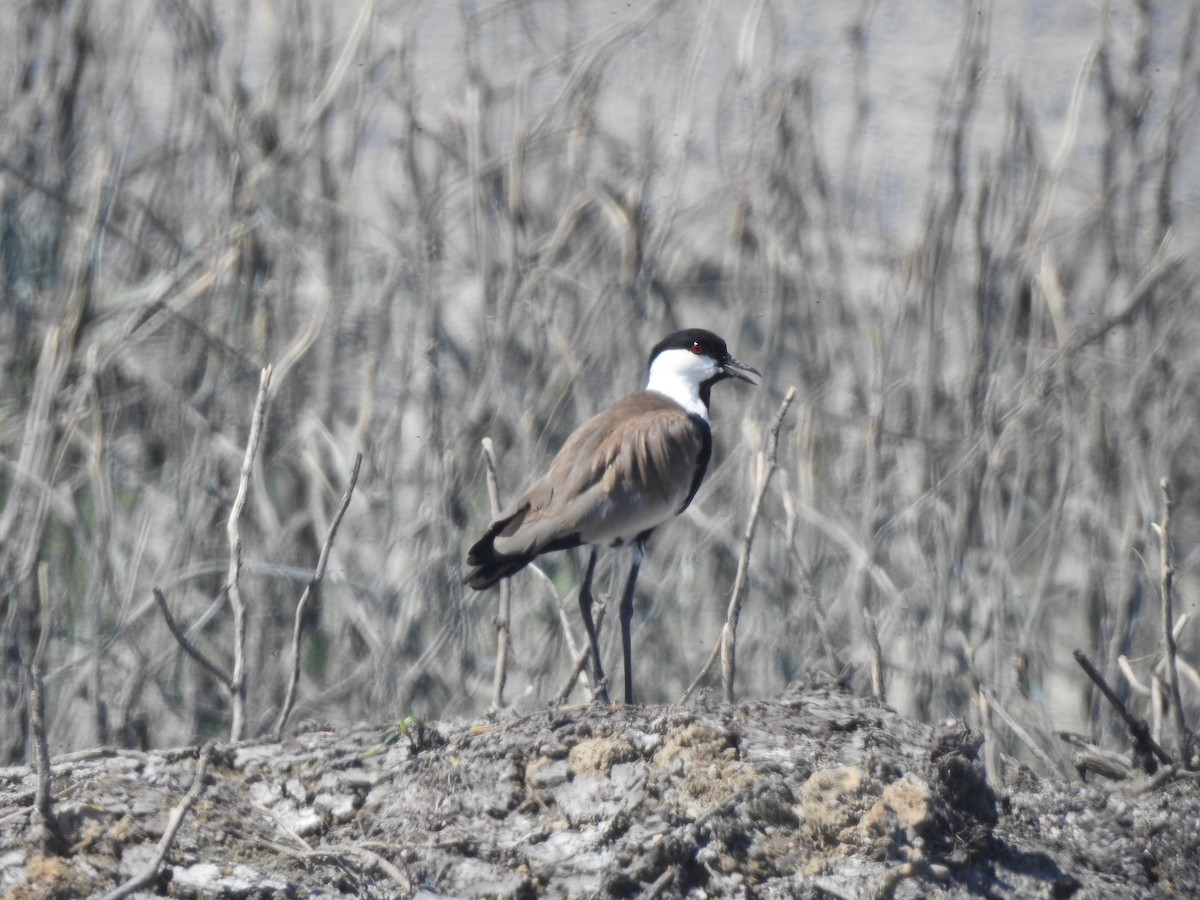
{"points": [[596, 757], [49, 878]]}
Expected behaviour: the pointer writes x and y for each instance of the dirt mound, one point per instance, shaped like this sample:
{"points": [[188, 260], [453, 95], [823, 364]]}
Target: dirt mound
{"points": [[813, 793]]}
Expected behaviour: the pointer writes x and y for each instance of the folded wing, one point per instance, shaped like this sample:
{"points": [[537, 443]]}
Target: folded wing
{"points": [[619, 475]]}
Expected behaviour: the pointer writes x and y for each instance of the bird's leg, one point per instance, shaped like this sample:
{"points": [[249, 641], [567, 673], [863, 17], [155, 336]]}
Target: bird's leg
{"points": [[599, 683], [639, 551]]}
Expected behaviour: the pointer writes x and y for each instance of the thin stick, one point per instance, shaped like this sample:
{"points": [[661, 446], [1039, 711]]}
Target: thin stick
{"points": [[1168, 616], [1134, 682], [338, 853], [878, 687], [726, 645], [991, 747], [573, 649], [1145, 744], [581, 658], [770, 453], [191, 649], [1019, 730], [318, 574], [150, 873], [237, 686], [1158, 705], [503, 616], [43, 806]]}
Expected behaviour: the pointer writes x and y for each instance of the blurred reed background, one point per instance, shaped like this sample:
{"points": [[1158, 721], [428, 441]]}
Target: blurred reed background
{"points": [[966, 233]]}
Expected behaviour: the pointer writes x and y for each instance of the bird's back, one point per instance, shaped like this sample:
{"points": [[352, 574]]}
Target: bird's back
{"points": [[619, 475]]}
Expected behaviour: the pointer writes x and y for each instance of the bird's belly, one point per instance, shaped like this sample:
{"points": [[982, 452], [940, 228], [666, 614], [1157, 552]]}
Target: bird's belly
{"points": [[619, 523]]}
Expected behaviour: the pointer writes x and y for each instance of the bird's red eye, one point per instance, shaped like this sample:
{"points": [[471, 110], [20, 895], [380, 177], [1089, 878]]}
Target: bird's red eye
{"points": [[697, 348]]}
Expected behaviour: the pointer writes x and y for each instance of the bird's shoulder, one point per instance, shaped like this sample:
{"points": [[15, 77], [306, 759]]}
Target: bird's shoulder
{"points": [[619, 439], [646, 415]]}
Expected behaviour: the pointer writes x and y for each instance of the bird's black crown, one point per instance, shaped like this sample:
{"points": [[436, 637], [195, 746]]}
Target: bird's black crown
{"points": [[698, 340]]}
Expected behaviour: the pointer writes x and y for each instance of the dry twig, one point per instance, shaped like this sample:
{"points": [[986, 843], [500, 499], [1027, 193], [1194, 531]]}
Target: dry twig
{"points": [[43, 806], [726, 645], [878, 687], [234, 683], [991, 747], [1167, 580], [318, 575], [232, 588], [503, 616], [581, 656], [188, 647], [1019, 730], [339, 852], [1144, 744], [180, 810]]}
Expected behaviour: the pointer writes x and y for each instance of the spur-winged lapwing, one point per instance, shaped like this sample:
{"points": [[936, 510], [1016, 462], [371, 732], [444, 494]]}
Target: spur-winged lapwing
{"points": [[618, 477]]}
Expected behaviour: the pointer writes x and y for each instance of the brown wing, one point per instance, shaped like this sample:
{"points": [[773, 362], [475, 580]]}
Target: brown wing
{"points": [[619, 474]]}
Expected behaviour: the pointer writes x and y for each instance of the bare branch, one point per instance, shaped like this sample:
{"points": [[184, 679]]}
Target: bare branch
{"points": [[1145, 745], [191, 649], [726, 645], [1134, 682], [180, 810], [1019, 730], [339, 852], [991, 747], [504, 615], [233, 529], [1167, 580], [770, 453], [581, 657], [318, 575], [43, 806], [878, 687]]}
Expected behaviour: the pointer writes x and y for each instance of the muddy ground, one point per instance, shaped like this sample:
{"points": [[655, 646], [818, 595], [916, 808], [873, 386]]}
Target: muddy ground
{"points": [[814, 793]]}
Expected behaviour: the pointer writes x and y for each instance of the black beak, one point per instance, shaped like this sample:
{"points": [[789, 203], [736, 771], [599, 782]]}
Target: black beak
{"points": [[735, 369]]}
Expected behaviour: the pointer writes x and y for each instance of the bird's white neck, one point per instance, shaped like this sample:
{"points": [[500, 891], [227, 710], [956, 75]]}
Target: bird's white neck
{"points": [[678, 375]]}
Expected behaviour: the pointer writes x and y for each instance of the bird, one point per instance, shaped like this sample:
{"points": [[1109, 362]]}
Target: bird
{"points": [[618, 476]]}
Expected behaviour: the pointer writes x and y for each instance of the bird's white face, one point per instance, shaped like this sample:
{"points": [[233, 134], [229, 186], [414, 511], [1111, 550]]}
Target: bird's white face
{"points": [[678, 373]]}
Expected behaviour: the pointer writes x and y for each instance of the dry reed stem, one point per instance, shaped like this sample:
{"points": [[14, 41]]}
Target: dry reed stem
{"points": [[991, 746], [726, 645], [1166, 583], [188, 647], [1158, 705], [503, 615], [1019, 730], [43, 805], [233, 590], [318, 575], [580, 656], [1134, 682], [340, 852], [1144, 743], [337, 75], [174, 820], [564, 620], [878, 686], [28, 500]]}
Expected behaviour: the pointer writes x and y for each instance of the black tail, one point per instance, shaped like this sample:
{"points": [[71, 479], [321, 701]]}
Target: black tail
{"points": [[484, 575], [488, 566]]}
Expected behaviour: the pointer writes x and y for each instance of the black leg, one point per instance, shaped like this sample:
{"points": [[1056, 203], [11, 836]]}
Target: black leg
{"points": [[639, 551], [599, 683]]}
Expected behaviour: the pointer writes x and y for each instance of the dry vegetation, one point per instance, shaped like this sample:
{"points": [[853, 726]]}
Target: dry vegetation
{"points": [[439, 224]]}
